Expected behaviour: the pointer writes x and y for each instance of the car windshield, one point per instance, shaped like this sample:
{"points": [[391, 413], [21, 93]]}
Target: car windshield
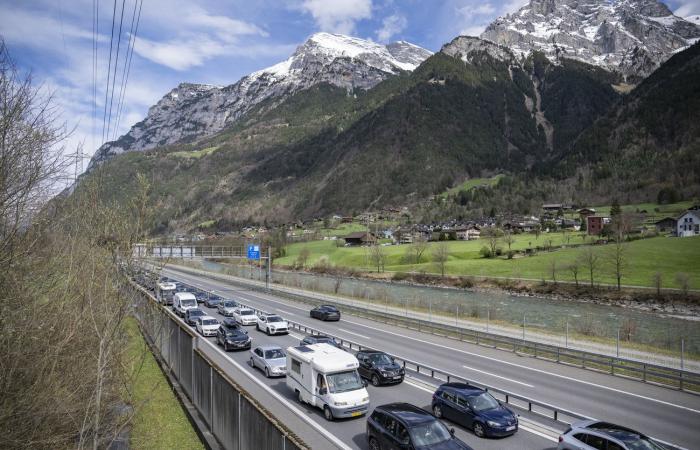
{"points": [[380, 358], [229, 304], [247, 312], [231, 331], [274, 354], [195, 312], [639, 443], [330, 308], [209, 322], [325, 340], [483, 402], [344, 381], [273, 319], [189, 303], [427, 434]]}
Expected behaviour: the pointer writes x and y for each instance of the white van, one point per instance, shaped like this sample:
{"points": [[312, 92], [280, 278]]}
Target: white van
{"points": [[182, 301], [326, 377], [165, 291]]}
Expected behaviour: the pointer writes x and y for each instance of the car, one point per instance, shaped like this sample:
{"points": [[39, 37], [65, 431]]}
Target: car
{"points": [[226, 307], [272, 324], [404, 426], [320, 339], [379, 368], [200, 296], [271, 359], [474, 408], [593, 435], [325, 312], [192, 314], [245, 316], [207, 325], [231, 336], [212, 301]]}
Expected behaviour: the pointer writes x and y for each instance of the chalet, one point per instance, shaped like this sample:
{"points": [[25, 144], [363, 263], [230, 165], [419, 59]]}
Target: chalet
{"points": [[688, 224], [552, 207], [585, 212], [666, 225], [595, 224], [360, 238]]}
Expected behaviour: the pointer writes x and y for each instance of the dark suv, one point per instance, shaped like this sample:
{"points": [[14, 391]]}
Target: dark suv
{"points": [[320, 339], [232, 337], [474, 408], [325, 312], [406, 426], [379, 368]]}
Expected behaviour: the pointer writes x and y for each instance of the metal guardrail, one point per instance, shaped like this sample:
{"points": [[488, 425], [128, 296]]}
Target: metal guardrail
{"points": [[613, 365]]}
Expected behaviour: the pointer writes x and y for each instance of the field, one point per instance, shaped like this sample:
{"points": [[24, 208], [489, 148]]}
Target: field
{"points": [[195, 153], [471, 184], [669, 256], [654, 211], [160, 421]]}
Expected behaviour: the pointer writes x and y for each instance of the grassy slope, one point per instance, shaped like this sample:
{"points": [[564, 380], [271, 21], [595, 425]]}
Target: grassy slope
{"points": [[667, 255], [471, 184], [160, 422]]}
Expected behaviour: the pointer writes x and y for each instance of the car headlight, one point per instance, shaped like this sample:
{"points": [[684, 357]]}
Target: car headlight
{"points": [[491, 423], [341, 403], [365, 400]]}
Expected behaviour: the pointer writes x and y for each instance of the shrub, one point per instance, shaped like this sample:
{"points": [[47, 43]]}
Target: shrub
{"points": [[485, 252], [466, 282], [400, 276], [510, 254]]}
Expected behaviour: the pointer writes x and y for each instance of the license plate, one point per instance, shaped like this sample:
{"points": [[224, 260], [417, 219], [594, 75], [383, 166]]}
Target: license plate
{"points": [[397, 378], [355, 414], [510, 428]]}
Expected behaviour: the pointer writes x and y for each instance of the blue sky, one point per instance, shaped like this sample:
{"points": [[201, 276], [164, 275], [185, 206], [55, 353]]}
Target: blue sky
{"points": [[207, 41]]}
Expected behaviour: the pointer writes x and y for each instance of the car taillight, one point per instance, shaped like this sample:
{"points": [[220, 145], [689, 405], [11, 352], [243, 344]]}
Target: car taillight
{"points": [[561, 438]]}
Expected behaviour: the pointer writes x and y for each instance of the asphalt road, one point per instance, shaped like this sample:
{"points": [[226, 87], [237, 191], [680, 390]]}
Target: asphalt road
{"points": [[668, 415]]}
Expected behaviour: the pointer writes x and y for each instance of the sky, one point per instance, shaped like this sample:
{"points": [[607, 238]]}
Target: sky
{"points": [[206, 41]]}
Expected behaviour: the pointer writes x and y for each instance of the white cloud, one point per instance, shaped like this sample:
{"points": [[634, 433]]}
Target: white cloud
{"points": [[688, 8], [338, 16], [473, 17], [391, 26]]}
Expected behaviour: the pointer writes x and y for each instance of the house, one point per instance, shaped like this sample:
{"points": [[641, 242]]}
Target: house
{"points": [[594, 225], [552, 207], [688, 224], [665, 225], [360, 238], [585, 212]]}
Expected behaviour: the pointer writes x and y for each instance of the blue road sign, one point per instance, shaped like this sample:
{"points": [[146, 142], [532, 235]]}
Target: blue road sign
{"points": [[253, 252]]}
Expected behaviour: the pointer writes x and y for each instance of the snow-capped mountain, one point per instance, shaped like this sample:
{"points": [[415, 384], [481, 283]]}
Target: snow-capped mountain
{"points": [[191, 111], [628, 36]]}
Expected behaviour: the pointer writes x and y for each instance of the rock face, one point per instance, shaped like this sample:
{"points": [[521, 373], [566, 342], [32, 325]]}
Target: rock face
{"points": [[632, 37], [191, 111]]}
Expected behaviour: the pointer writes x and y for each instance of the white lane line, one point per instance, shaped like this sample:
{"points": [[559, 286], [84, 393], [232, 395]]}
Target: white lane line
{"points": [[283, 312], [353, 333], [417, 386], [497, 376], [564, 377]]}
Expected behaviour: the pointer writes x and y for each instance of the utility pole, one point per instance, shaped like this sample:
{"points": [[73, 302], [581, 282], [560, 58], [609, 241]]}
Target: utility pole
{"points": [[269, 268]]}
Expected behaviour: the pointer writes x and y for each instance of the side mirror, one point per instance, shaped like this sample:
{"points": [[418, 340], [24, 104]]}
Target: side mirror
{"points": [[322, 391], [245, 332], [364, 383], [452, 431]]}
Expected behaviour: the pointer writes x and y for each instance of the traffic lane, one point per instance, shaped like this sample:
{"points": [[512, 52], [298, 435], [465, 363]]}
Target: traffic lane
{"points": [[594, 398], [353, 430]]}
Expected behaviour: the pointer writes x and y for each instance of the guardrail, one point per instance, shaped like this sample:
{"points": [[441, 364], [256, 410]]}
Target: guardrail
{"points": [[521, 402], [641, 371]]}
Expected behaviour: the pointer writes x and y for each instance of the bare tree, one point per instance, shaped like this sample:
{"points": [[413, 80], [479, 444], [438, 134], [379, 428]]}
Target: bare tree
{"points": [[441, 254], [590, 261], [574, 268], [418, 248], [303, 257], [617, 260], [508, 238], [553, 269], [537, 229], [683, 281], [493, 238], [657, 281], [377, 256]]}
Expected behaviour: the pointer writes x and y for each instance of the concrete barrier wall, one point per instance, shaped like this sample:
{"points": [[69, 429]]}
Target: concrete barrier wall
{"points": [[232, 416]]}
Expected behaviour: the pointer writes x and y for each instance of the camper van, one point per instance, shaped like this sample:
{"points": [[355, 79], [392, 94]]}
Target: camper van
{"points": [[182, 301], [326, 377], [165, 291]]}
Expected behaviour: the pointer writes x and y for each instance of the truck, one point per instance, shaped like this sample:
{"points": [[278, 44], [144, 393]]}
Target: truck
{"points": [[165, 291], [326, 377]]}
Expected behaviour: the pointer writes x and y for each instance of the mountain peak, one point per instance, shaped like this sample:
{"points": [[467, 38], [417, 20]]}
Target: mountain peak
{"points": [[628, 36]]}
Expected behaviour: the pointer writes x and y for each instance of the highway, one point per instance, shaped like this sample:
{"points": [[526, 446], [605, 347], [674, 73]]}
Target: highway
{"points": [[665, 414]]}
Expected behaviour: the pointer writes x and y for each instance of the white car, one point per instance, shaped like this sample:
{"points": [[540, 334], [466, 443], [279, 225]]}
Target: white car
{"points": [[207, 325], [245, 316], [272, 324]]}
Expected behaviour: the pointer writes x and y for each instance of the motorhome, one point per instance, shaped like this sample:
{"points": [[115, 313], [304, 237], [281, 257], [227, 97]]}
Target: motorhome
{"points": [[165, 291], [182, 301], [326, 377]]}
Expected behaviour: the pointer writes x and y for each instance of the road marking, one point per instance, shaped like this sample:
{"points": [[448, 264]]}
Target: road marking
{"points": [[353, 333], [411, 383], [498, 376], [643, 397], [281, 311]]}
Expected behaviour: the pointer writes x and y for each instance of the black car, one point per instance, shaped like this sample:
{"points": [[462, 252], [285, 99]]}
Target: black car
{"points": [[406, 426], [192, 314], [232, 337], [320, 339], [325, 312], [212, 301], [379, 368], [474, 408]]}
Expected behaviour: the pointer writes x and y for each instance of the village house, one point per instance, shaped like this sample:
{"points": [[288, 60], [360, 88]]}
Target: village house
{"points": [[595, 224], [688, 224], [666, 225], [360, 238]]}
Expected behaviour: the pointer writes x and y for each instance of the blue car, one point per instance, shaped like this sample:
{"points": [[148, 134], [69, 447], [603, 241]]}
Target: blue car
{"points": [[474, 408]]}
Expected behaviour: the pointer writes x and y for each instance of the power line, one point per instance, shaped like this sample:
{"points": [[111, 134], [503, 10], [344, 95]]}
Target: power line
{"points": [[109, 71], [127, 66], [116, 63]]}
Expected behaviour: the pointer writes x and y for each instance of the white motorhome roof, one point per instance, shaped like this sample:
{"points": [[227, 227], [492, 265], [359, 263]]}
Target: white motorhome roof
{"points": [[167, 286], [185, 296], [324, 358]]}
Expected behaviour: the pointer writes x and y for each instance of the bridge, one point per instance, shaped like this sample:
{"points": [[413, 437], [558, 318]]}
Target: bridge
{"points": [[187, 251]]}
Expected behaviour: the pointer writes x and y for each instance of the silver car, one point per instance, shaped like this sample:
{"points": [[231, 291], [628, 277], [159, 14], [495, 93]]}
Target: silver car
{"points": [[226, 308], [593, 435], [271, 359]]}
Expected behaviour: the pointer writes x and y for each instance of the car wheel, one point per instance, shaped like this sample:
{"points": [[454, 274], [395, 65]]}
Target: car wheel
{"points": [[478, 429], [225, 347], [327, 413], [373, 444], [267, 372], [437, 411], [299, 398], [252, 363], [375, 380], [267, 331], [257, 326]]}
